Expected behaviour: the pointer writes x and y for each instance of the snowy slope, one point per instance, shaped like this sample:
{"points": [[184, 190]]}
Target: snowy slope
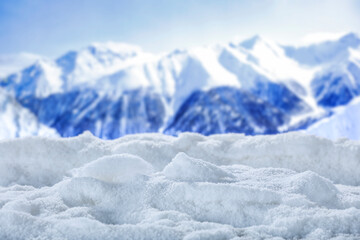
{"points": [[152, 186], [17, 121], [336, 81], [204, 112], [97, 60], [343, 123], [74, 112]]}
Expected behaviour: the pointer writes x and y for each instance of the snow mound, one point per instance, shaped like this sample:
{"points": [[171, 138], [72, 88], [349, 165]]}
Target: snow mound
{"points": [[315, 188], [115, 168], [185, 168], [153, 186]]}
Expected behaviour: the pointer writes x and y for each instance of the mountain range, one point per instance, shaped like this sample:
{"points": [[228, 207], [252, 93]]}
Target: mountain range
{"points": [[255, 86]]}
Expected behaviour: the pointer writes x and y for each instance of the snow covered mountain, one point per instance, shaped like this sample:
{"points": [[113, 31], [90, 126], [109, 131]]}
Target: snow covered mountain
{"points": [[253, 86]]}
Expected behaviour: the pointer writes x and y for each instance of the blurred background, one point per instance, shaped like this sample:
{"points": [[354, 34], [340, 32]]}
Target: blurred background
{"points": [[123, 67]]}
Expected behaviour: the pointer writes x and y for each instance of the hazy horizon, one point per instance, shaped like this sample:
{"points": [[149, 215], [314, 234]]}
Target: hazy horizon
{"points": [[161, 26]]}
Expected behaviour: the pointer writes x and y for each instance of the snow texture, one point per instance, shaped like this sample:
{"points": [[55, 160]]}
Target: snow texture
{"points": [[153, 186]]}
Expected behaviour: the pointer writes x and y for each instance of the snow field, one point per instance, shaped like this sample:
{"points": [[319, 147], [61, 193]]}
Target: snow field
{"points": [[153, 186]]}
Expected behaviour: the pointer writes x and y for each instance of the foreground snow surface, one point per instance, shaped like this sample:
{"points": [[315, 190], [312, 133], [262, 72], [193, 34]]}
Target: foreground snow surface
{"points": [[153, 186]]}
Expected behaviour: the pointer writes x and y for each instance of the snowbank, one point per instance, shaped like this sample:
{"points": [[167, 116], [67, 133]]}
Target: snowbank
{"points": [[153, 186]]}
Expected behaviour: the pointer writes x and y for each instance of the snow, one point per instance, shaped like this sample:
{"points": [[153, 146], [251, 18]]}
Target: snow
{"points": [[101, 60], [49, 81], [277, 66], [153, 186], [344, 123], [115, 168], [185, 168], [271, 58]]}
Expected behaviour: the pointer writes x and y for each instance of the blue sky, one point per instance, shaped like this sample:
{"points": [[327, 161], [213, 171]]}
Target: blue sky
{"points": [[52, 27]]}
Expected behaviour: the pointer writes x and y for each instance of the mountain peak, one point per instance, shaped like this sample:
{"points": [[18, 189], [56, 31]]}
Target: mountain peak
{"points": [[41, 64], [319, 38], [114, 47], [351, 38], [251, 42]]}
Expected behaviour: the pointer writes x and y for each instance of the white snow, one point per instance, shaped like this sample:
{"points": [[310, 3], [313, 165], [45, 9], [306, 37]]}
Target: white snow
{"points": [[50, 80], [99, 60], [185, 168], [153, 186], [344, 123], [115, 168]]}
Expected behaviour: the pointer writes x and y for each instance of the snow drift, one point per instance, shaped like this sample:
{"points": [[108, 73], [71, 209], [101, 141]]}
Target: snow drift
{"points": [[153, 186]]}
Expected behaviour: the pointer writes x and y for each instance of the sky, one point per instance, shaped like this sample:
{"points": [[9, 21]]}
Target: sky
{"points": [[51, 28]]}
